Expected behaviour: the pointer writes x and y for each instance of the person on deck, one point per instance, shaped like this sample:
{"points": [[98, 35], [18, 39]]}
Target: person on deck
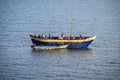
{"points": [[81, 36], [42, 35], [62, 35], [49, 35]]}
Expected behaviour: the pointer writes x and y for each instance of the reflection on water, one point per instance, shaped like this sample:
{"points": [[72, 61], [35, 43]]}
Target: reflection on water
{"points": [[64, 51], [62, 54]]}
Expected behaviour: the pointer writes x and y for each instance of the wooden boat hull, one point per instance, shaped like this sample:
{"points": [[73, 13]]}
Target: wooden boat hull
{"points": [[72, 43]]}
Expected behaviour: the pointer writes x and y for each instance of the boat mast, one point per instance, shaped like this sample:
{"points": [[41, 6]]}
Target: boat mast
{"points": [[72, 25]]}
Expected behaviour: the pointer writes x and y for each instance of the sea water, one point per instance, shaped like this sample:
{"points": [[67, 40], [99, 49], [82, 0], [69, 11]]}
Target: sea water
{"points": [[19, 18]]}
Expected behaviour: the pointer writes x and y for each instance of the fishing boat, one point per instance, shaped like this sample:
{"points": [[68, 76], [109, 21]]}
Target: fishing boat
{"points": [[71, 42]]}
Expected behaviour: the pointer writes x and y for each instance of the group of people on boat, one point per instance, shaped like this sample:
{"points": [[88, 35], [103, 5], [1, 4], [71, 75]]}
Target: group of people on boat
{"points": [[49, 36], [42, 36]]}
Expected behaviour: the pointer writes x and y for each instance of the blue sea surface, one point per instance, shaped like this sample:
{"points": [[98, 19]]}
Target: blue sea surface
{"points": [[19, 18]]}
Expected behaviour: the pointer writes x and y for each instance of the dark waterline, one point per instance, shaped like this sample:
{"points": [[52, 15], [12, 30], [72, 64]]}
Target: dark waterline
{"points": [[18, 19]]}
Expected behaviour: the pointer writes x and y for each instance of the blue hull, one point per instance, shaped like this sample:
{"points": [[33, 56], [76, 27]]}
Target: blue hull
{"points": [[71, 45]]}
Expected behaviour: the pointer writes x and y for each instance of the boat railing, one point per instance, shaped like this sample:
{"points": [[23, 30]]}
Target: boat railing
{"points": [[59, 38]]}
